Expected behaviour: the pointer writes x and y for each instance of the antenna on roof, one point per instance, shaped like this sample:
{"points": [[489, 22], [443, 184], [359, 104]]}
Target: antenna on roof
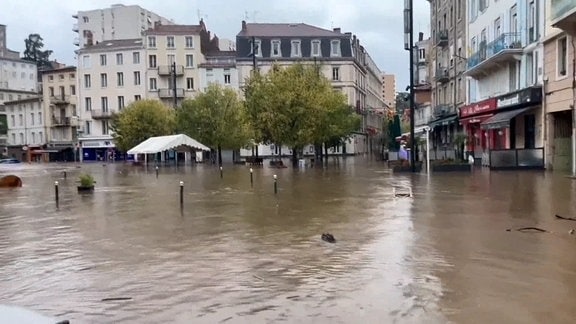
{"points": [[200, 15]]}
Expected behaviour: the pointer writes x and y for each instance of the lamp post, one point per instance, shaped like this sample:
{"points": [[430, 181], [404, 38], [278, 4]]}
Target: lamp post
{"points": [[409, 46], [254, 69], [173, 72]]}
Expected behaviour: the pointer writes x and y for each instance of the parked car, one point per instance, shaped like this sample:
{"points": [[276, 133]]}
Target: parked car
{"points": [[9, 161]]}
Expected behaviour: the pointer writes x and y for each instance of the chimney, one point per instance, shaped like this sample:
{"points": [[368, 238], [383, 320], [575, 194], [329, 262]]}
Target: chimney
{"points": [[243, 25], [420, 36], [338, 30]]}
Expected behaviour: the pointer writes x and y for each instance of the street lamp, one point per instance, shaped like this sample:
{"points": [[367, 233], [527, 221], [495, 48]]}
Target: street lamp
{"points": [[427, 131], [409, 46]]}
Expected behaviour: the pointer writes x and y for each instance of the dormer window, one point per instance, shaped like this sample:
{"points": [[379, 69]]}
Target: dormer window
{"points": [[256, 48], [335, 47], [316, 48], [276, 50], [296, 49]]}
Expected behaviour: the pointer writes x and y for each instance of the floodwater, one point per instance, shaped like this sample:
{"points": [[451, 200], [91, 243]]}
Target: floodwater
{"points": [[237, 253]]}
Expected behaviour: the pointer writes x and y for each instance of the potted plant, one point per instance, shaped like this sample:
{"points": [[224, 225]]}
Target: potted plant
{"points": [[86, 183]]}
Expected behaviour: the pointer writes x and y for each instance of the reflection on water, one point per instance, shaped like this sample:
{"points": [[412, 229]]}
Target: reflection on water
{"points": [[237, 253]]}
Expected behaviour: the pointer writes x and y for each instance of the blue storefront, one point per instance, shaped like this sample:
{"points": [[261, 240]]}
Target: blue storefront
{"points": [[93, 150]]}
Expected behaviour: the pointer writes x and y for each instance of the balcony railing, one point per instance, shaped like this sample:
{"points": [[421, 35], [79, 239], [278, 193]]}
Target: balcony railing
{"points": [[59, 100], [504, 42], [167, 70], [102, 114], [560, 8], [64, 122], [75, 27], [442, 110], [442, 37], [169, 93], [442, 74], [77, 41]]}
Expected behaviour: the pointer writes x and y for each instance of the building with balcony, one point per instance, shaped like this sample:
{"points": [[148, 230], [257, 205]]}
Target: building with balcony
{"points": [[422, 89], [341, 58], [60, 112], [111, 75], [114, 23], [447, 67], [219, 68], [558, 87], [173, 55], [26, 129], [504, 117]]}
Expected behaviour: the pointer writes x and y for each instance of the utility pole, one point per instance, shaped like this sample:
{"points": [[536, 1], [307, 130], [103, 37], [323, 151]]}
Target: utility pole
{"points": [[254, 70], [409, 46], [173, 68]]}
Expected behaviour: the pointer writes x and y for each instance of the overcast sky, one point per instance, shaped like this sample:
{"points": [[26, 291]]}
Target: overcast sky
{"points": [[378, 23]]}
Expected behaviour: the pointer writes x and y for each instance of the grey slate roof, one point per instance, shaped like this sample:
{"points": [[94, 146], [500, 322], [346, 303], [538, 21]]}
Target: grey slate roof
{"points": [[286, 30], [113, 44]]}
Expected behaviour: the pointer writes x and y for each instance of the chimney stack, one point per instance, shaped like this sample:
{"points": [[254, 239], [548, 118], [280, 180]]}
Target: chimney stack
{"points": [[243, 25], [338, 30], [420, 36]]}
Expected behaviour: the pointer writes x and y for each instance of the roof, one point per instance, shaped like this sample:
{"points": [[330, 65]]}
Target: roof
{"points": [[221, 53], [114, 44], [286, 30], [174, 30], [164, 143], [24, 100], [59, 70]]}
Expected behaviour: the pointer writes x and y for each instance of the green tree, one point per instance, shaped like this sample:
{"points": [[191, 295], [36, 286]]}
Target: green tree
{"points": [[33, 52], [297, 106], [141, 120], [217, 118]]}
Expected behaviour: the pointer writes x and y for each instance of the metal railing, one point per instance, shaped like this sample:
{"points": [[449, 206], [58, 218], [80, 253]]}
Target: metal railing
{"points": [[517, 159], [102, 114], [167, 69], [442, 74], [504, 42], [59, 100], [442, 110], [442, 37], [169, 93]]}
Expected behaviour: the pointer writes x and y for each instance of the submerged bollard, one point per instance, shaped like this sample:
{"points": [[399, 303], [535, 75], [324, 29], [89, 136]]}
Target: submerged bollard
{"points": [[251, 177], [221, 174], [64, 172], [181, 193], [275, 184], [156, 172], [56, 194]]}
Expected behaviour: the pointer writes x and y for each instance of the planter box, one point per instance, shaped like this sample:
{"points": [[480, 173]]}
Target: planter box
{"points": [[406, 168], [82, 189], [451, 167]]}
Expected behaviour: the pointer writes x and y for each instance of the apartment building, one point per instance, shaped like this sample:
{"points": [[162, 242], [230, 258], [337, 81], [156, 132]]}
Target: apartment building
{"points": [[173, 55], [61, 113], [558, 87], [343, 60], [220, 68], [111, 75], [448, 64], [114, 23], [422, 87], [504, 115], [389, 90], [26, 129]]}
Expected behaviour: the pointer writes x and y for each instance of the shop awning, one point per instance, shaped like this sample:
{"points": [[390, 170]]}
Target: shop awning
{"points": [[443, 121], [502, 120]]}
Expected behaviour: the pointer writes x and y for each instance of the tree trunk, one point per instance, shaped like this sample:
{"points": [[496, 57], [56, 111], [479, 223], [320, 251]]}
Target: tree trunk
{"points": [[219, 155], [295, 157]]}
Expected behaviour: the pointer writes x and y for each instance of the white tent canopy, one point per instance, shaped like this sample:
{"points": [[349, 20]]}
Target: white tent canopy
{"points": [[164, 143]]}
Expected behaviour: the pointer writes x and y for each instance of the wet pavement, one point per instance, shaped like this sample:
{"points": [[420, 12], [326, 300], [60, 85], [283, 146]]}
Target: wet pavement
{"points": [[237, 253]]}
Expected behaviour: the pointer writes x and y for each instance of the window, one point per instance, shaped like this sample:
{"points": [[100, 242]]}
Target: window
{"points": [[20, 120], [153, 85], [62, 91], [86, 61], [152, 61], [170, 41], [335, 47], [136, 77], [316, 48], [335, 74], [276, 50], [105, 127], [151, 41], [256, 48], [514, 19], [171, 58], [14, 138], [120, 102], [227, 76], [39, 118], [72, 76], [295, 49], [13, 120], [119, 59], [22, 138], [120, 79], [422, 54], [87, 127], [51, 91], [482, 5], [189, 42], [103, 59], [532, 32], [137, 97], [103, 80], [136, 58], [104, 103], [32, 119], [33, 138], [529, 69], [189, 60], [562, 52], [61, 77], [190, 83], [73, 90], [497, 28], [88, 103]]}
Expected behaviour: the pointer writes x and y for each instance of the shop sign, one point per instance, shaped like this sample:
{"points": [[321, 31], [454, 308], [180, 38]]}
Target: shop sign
{"points": [[477, 108]]}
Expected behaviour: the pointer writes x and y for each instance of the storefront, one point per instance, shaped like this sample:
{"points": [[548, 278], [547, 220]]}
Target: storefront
{"points": [[514, 133], [471, 116], [97, 150]]}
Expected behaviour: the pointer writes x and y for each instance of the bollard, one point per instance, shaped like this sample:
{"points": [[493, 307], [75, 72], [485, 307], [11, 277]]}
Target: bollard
{"points": [[56, 194], [251, 177], [275, 184], [65, 175], [156, 172], [181, 193], [221, 174]]}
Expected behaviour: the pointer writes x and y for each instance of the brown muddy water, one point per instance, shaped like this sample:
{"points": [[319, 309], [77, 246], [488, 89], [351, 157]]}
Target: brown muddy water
{"points": [[240, 254]]}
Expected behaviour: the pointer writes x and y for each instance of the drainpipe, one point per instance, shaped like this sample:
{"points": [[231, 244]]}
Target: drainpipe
{"points": [[573, 106]]}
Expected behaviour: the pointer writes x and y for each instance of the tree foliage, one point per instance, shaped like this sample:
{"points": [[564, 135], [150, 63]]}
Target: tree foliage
{"points": [[217, 118], [297, 106], [141, 120], [33, 52]]}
